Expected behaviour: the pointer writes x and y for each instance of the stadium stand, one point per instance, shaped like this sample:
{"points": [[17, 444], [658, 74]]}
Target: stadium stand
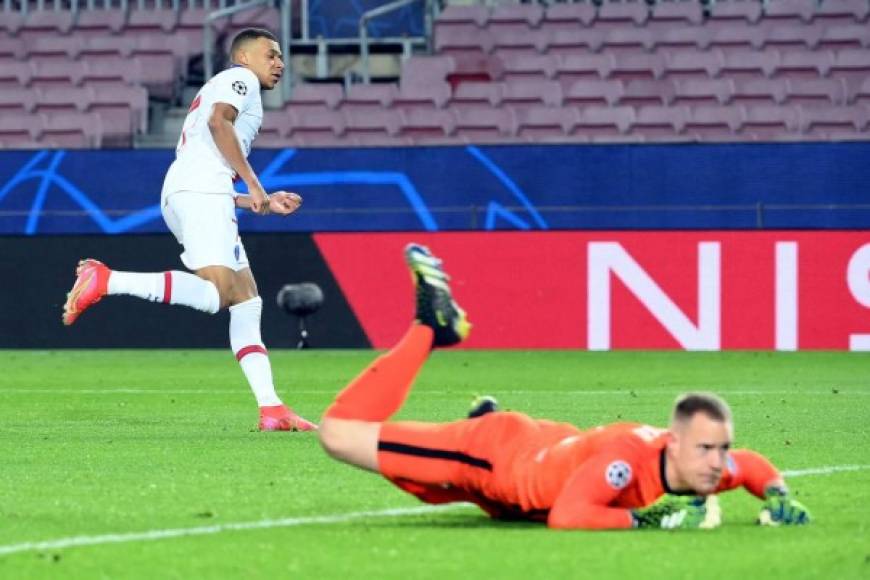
{"points": [[512, 72]]}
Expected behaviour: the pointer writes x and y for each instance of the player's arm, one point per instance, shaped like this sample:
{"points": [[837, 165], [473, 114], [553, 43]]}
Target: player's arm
{"points": [[753, 472], [584, 502], [221, 124]]}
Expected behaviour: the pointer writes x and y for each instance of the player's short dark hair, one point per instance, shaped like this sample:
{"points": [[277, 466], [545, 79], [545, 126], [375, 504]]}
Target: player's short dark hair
{"points": [[247, 35], [690, 404]]}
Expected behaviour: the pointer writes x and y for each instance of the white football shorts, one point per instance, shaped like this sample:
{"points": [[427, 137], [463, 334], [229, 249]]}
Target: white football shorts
{"points": [[205, 225]]}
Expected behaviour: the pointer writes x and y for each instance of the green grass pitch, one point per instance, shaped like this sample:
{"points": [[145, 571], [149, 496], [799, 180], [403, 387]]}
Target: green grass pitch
{"points": [[114, 443]]}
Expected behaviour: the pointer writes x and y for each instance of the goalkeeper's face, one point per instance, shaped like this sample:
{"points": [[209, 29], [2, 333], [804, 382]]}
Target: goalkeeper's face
{"points": [[699, 451]]}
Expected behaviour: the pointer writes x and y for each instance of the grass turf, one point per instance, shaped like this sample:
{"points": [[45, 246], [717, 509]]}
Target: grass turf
{"points": [[117, 442]]}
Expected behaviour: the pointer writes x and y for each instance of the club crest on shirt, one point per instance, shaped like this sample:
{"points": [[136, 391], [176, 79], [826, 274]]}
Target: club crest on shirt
{"points": [[240, 87], [618, 474]]}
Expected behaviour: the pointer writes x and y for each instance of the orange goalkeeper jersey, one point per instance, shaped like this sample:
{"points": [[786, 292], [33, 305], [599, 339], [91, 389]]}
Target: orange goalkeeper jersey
{"points": [[514, 466]]}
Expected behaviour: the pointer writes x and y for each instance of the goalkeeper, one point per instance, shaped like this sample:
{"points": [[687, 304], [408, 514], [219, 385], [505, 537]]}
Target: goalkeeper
{"points": [[621, 475]]}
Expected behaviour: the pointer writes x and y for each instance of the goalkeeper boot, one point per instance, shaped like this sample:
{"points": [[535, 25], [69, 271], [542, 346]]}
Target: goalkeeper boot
{"points": [[482, 405], [92, 281], [436, 307], [282, 418]]}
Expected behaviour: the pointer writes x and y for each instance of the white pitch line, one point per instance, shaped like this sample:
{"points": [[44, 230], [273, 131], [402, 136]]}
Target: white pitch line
{"points": [[823, 470], [217, 529], [624, 392], [150, 535]]}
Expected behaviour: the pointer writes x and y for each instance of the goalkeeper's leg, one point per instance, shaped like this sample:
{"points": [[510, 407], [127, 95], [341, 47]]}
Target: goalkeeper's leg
{"points": [[350, 427]]}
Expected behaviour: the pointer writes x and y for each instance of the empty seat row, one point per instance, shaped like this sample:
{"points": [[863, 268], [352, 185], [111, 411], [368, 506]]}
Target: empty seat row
{"points": [[580, 40], [488, 124], [661, 13], [63, 129]]}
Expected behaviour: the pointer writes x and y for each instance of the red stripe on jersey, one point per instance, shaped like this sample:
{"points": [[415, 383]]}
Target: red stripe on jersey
{"points": [[167, 287], [243, 352]]}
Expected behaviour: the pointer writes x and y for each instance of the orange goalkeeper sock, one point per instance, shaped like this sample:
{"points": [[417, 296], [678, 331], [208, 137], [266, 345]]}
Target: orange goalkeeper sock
{"points": [[379, 391]]}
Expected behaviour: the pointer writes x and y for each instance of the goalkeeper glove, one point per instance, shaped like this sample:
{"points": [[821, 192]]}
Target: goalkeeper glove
{"points": [[679, 512], [780, 509]]}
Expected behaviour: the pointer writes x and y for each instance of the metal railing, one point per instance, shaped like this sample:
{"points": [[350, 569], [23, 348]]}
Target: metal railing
{"points": [[208, 44], [364, 30]]}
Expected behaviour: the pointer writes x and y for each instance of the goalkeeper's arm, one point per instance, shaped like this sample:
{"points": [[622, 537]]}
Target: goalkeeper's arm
{"points": [[754, 472]]}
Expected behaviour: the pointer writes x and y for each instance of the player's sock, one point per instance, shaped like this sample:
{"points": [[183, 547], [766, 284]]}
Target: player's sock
{"points": [[379, 391], [173, 287], [249, 350]]}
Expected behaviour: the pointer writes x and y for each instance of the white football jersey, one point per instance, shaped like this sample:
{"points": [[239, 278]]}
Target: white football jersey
{"points": [[198, 165]]}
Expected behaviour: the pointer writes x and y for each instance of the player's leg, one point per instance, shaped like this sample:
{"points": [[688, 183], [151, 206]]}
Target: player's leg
{"points": [[349, 428], [200, 222], [246, 309]]}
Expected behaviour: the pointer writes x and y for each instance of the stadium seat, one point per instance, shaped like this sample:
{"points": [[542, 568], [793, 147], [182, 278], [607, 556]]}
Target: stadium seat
{"points": [[411, 96], [153, 21], [457, 41], [833, 122], [316, 128], [845, 37], [593, 92], [659, 123], [17, 100], [698, 65], [427, 68], [475, 14], [568, 42], [521, 94], [11, 50], [106, 47], [713, 123], [124, 104], [805, 65], [507, 43], [372, 127], [45, 22], [19, 129], [425, 126], [749, 63], [621, 14], [703, 91], [788, 38], [54, 48], [628, 40], [821, 92], [675, 15], [72, 130], [564, 15], [14, 75], [861, 95], [276, 124], [111, 72], [372, 97], [64, 98], [851, 64], [753, 91], [538, 67], [789, 11], [575, 67], [476, 95], [315, 97], [737, 13], [57, 73], [546, 124], [529, 15], [637, 66], [11, 22], [475, 67], [99, 22], [737, 38], [486, 125], [603, 122], [682, 40], [639, 93], [841, 12], [770, 122]]}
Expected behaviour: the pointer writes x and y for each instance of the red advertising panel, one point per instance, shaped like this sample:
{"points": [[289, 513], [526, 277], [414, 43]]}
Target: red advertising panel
{"points": [[788, 290]]}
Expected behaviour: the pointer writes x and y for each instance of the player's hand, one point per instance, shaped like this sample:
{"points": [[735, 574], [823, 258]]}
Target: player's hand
{"points": [[259, 201], [680, 512], [284, 202], [780, 509]]}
